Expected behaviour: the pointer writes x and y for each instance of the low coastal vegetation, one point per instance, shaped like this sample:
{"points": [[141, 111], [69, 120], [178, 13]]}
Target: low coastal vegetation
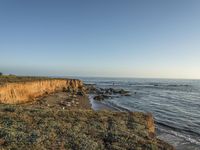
{"points": [[25, 128], [13, 78]]}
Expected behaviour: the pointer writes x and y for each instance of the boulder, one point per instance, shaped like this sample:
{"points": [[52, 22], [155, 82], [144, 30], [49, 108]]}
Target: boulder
{"points": [[80, 93], [101, 97]]}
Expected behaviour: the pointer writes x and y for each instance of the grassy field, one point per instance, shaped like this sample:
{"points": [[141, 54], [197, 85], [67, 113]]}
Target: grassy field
{"points": [[12, 78]]}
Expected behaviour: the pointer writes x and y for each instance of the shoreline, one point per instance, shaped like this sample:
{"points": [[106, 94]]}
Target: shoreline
{"points": [[98, 106], [83, 123], [171, 134]]}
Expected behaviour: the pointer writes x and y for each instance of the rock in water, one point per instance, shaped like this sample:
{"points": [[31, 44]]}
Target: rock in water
{"points": [[101, 97]]}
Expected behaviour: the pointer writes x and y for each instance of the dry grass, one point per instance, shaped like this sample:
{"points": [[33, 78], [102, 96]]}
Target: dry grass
{"points": [[12, 79]]}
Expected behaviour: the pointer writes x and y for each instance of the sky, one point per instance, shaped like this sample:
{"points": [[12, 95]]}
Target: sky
{"points": [[101, 38]]}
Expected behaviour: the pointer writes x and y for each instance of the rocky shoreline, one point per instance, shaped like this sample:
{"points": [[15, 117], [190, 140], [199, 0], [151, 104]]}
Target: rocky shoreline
{"points": [[101, 94], [64, 120]]}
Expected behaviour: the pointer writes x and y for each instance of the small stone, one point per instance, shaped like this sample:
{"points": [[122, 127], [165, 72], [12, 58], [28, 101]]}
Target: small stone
{"points": [[2, 141], [101, 97], [80, 93], [74, 96], [126, 94]]}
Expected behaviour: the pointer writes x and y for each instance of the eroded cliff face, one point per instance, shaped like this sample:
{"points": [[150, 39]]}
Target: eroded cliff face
{"points": [[150, 123], [20, 92]]}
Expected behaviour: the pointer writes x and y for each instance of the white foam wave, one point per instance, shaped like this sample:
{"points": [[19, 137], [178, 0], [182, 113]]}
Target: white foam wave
{"points": [[185, 137]]}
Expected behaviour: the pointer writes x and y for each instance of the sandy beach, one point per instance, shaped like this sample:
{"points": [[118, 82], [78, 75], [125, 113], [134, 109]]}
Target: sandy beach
{"points": [[60, 100]]}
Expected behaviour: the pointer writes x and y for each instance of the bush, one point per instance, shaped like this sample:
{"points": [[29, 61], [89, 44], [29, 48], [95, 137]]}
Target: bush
{"points": [[1, 73]]}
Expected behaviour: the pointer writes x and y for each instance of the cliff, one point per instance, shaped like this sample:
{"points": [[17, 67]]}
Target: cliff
{"points": [[28, 90]]}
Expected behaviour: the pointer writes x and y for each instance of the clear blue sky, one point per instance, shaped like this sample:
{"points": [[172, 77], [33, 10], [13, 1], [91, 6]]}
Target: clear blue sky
{"points": [[114, 38]]}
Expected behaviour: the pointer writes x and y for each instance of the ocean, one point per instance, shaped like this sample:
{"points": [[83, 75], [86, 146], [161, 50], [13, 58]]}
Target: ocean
{"points": [[175, 105]]}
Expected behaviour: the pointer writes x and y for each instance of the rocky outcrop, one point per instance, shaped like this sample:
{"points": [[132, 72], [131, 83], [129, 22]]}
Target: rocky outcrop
{"points": [[101, 94], [20, 92]]}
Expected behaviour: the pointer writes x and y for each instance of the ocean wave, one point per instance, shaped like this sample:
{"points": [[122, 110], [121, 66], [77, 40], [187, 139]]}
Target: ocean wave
{"points": [[183, 136], [175, 131], [178, 129], [116, 106]]}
